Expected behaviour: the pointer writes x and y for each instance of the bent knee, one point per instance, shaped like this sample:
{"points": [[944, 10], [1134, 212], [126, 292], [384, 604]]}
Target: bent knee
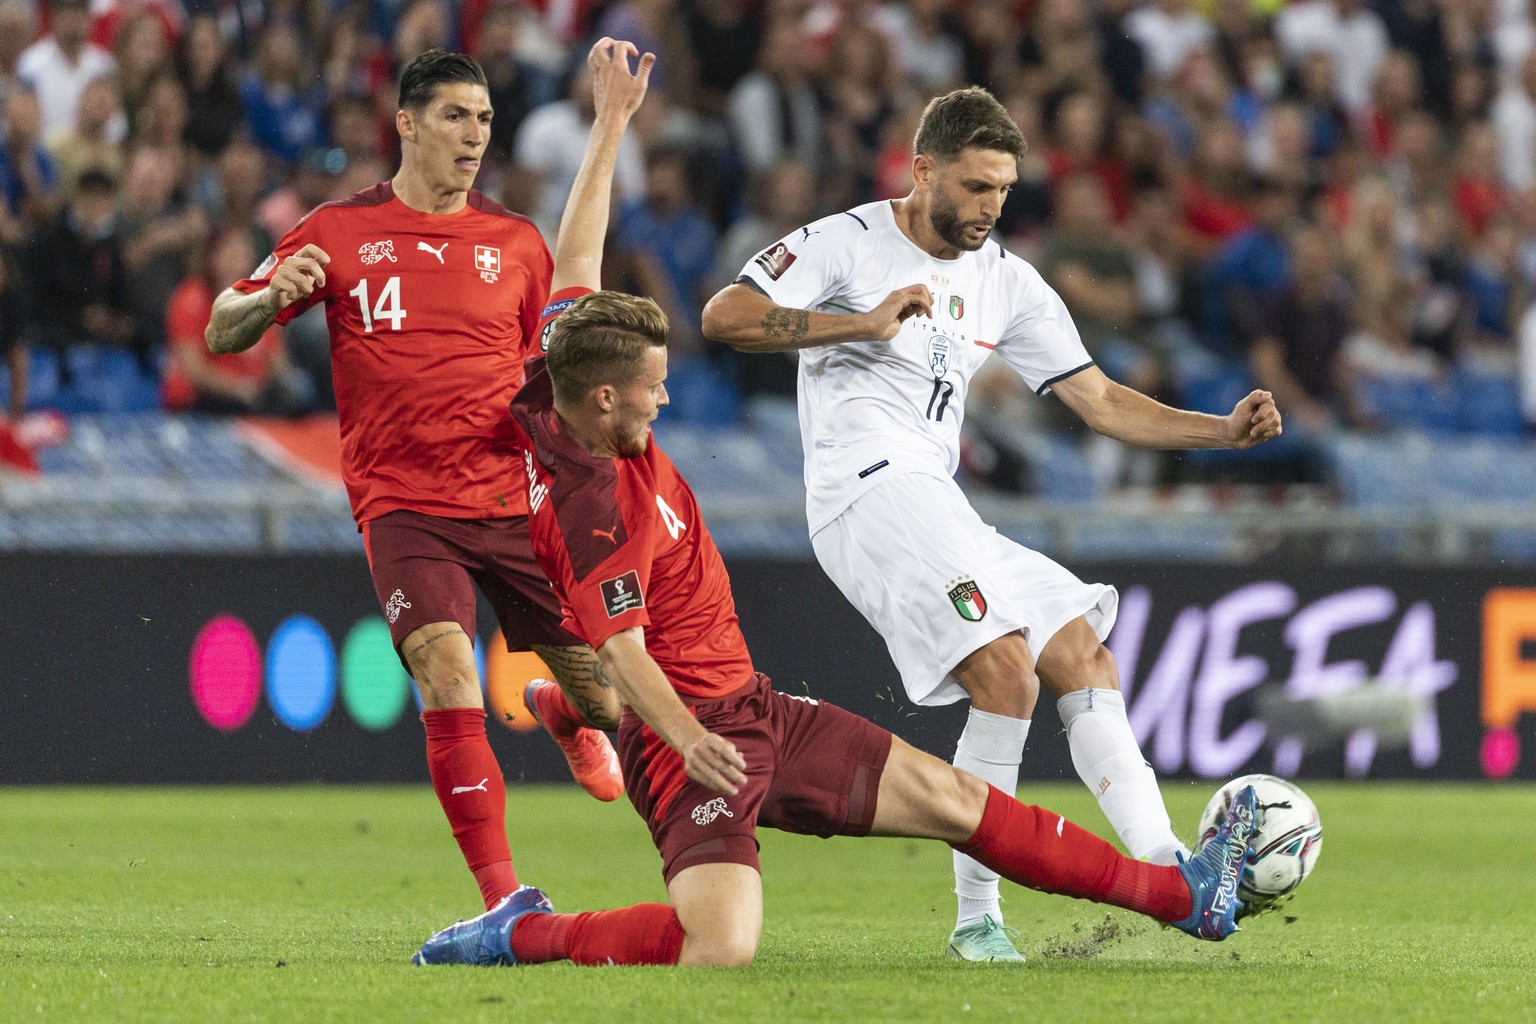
{"points": [[958, 800], [1000, 677], [705, 952], [1090, 669]]}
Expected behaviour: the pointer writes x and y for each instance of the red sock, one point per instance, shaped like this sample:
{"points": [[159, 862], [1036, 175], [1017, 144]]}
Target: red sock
{"points": [[1043, 850], [647, 933], [559, 717], [459, 756]]}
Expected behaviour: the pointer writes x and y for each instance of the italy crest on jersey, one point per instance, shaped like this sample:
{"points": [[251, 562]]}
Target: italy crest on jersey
{"points": [[939, 348], [956, 307], [967, 599]]}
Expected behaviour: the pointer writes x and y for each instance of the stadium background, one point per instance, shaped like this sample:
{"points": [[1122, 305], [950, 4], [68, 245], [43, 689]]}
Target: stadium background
{"points": [[187, 591]]}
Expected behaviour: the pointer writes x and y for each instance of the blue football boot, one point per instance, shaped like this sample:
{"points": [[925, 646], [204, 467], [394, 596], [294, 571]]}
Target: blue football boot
{"points": [[1213, 873], [484, 941]]}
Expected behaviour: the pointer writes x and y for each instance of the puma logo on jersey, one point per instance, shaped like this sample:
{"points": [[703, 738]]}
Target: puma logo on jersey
{"points": [[377, 252], [606, 533], [438, 252]]}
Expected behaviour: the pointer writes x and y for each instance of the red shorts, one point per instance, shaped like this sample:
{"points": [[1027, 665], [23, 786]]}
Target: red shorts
{"points": [[426, 568], [812, 768]]}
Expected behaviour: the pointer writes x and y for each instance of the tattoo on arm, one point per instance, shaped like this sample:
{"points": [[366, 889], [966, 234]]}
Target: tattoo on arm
{"points": [[239, 325], [792, 325]]}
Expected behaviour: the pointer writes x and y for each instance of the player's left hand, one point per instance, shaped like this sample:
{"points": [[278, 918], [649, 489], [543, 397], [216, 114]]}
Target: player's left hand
{"points": [[616, 91], [1254, 421], [713, 761]]}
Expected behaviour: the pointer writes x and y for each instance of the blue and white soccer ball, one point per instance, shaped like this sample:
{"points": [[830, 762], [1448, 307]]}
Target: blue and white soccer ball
{"points": [[1287, 836]]}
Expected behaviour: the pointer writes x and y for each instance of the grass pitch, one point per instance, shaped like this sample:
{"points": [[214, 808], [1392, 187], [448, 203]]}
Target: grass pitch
{"points": [[291, 905]]}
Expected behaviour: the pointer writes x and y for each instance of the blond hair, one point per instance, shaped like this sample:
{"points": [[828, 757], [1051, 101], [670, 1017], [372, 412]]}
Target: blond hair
{"points": [[602, 339]]}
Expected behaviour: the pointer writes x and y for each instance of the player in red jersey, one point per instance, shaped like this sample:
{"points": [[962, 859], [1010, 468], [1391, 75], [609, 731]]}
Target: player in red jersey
{"points": [[432, 293], [710, 750]]}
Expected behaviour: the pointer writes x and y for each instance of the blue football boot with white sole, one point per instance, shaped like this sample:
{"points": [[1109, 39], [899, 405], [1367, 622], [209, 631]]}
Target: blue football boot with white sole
{"points": [[484, 941], [1213, 873]]}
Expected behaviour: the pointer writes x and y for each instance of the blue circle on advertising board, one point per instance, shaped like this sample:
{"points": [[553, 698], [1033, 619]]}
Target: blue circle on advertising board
{"points": [[301, 673]]}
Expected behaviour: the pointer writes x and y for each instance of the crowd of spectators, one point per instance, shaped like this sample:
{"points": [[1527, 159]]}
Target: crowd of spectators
{"points": [[1332, 199]]}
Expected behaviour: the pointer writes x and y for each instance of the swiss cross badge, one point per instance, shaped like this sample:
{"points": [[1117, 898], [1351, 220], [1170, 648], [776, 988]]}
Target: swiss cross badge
{"points": [[488, 262], [967, 599]]}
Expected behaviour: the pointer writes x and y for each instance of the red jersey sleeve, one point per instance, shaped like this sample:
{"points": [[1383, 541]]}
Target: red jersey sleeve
{"points": [[612, 597], [558, 303], [303, 233], [541, 269]]}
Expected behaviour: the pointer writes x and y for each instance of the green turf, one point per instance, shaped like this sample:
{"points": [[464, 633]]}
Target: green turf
{"points": [[289, 905]]}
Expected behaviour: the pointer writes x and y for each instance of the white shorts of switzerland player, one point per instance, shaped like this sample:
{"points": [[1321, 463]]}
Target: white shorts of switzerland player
{"points": [[938, 583]]}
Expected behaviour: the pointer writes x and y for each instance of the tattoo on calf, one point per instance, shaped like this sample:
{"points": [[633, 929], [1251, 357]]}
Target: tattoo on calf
{"points": [[581, 678], [455, 631], [601, 675]]}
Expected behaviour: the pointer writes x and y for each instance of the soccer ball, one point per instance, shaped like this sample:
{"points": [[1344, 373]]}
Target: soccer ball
{"points": [[1287, 836]]}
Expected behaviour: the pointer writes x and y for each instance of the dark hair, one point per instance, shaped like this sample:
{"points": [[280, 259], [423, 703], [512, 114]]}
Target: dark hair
{"points": [[426, 71], [966, 118], [602, 339], [95, 179]]}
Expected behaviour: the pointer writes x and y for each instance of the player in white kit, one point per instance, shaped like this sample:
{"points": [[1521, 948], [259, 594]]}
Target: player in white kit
{"points": [[894, 306]]}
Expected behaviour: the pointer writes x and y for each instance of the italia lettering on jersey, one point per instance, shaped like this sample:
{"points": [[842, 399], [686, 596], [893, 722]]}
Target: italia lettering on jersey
{"points": [[900, 403], [624, 544], [427, 346]]}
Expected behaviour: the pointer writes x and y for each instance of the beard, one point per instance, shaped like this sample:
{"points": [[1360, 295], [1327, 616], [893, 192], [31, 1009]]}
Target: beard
{"points": [[633, 445], [944, 215]]}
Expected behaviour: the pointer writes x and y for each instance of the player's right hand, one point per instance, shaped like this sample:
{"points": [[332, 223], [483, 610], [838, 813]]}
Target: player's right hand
{"points": [[615, 90], [714, 761], [297, 277], [885, 320]]}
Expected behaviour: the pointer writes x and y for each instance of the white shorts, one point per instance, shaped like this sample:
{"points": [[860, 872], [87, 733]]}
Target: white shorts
{"points": [[938, 583]]}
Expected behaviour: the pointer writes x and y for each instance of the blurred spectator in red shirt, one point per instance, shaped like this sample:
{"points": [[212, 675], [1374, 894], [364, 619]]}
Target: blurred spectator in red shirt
{"points": [[1478, 191], [1080, 143], [257, 380]]}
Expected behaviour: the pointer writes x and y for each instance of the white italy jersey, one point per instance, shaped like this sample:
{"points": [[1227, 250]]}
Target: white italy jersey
{"points": [[869, 409]]}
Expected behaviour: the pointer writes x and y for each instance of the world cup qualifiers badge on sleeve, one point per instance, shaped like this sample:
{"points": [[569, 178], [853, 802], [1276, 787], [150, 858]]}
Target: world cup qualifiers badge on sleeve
{"points": [[775, 261], [622, 593], [966, 596]]}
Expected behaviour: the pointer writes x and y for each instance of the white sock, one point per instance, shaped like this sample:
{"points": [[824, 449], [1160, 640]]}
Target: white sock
{"points": [[990, 748], [1109, 761]]}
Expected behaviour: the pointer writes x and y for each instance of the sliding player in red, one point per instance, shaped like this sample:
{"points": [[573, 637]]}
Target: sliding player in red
{"points": [[710, 750], [432, 293]]}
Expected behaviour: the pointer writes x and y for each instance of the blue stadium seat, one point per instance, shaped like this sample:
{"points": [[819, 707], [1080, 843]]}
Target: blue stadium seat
{"points": [[42, 378], [1489, 403], [701, 393], [1410, 402]]}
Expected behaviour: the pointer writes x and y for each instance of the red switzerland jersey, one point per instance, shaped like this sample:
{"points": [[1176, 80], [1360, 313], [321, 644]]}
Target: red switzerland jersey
{"points": [[431, 319], [625, 546]]}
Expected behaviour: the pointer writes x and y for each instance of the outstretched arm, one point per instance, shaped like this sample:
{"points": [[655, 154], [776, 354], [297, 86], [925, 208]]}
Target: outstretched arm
{"points": [[617, 93], [746, 319], [708, 759], [1128, 415]]}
